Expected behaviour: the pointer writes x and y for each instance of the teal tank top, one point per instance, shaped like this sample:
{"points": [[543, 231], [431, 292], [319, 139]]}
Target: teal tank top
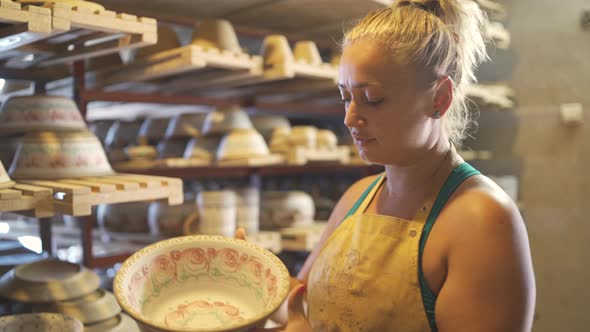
{"points": [[455, 179]]}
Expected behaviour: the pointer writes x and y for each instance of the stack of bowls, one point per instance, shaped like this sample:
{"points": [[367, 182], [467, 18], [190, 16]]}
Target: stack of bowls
{"points": [[43, 322], [53, 286], [242, 144], [281, 209], [56, 142]]}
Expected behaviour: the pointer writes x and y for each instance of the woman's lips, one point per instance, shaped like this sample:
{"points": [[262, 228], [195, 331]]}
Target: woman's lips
{"points": [[362, 141]]}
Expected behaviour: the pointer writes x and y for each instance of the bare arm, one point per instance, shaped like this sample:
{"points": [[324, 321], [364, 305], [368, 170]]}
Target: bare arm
{"points": [[490, 284]]}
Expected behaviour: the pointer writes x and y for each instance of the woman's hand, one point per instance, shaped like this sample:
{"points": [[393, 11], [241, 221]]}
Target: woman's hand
{"points": [[297, 321]]}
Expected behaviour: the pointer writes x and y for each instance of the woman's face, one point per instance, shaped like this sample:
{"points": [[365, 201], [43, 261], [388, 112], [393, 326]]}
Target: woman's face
{"points": [[388, 105]]}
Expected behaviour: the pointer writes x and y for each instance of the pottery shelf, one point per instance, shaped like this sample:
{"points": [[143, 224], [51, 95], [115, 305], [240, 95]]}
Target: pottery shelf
{"points": [[27, 199], [22, 25], [243, 171], [75, 33], [77, 196]]}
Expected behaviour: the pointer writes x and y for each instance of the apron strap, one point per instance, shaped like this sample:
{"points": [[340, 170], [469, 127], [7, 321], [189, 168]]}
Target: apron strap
{"points": [[363, 197], [455, 179]]}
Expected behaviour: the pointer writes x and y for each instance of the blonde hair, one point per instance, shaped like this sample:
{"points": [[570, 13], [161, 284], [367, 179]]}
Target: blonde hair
{"points": [[444, 37]]}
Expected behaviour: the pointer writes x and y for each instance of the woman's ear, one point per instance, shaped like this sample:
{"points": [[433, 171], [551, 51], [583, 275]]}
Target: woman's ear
{"points": [[443, 96]]}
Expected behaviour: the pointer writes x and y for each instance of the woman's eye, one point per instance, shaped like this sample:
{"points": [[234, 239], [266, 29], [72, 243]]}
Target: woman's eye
{"points": [[374, 102]]}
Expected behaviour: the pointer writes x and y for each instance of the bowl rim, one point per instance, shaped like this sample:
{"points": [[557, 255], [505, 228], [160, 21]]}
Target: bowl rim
{"points": [[126, 266]]}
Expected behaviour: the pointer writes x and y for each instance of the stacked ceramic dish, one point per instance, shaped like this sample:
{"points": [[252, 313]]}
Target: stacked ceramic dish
{"points": [[56, 143], [281, 209], [229, 284], [67, 289]]}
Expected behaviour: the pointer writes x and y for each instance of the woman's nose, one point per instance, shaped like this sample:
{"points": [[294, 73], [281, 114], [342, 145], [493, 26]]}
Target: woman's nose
{"points": [[352, 117]]}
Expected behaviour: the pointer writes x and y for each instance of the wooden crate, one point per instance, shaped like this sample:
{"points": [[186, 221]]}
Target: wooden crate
{"points": [[79, 33], [76, 196], [174, 69], [27, 199], [303, 238], [22, 25]]}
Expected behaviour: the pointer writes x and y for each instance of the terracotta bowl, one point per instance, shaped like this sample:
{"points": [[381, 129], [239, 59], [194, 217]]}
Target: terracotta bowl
{"points": [[231, 285], [5, 181], [242, 143], [40, 323], [224, 120], [186, 125], [219, 34], [22, 114], [52, 155], [120, 323], [48, 281], [92, 308]]}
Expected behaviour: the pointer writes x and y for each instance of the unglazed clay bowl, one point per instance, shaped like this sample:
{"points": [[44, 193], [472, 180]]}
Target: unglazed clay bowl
{"points": [[242, 143], [92, 308], [119, 323], [40, 323], [186, 125], [22, 114], [201, 283], [224, 120], [54, 155], [47, 281]]}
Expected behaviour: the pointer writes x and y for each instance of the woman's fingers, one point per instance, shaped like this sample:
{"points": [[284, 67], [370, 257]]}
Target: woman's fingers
{"points": [[240, 234]]}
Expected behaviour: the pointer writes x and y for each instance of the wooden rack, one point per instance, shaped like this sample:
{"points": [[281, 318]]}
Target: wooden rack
{"points": [[22, 25], [27, 199]]}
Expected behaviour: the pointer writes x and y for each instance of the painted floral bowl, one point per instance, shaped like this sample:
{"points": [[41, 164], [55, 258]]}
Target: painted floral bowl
{"points": [[201, 283], [54, 155], [21, 114]]}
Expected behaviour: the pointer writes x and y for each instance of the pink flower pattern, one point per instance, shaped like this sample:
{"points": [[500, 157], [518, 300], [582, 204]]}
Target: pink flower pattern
{"points": [[174, 266]]}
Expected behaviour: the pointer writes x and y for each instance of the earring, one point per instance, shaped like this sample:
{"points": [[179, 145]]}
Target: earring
{"points": [[436, 115]]}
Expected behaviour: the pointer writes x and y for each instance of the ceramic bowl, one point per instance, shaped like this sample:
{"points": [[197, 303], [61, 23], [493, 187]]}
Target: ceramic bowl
{"points": [[306, 51], [73, 3], [242, 143], [152, 130], [141, 152], [219, 34], [202, 148], [186, 125], [22, 114], [217, 212], [122, 133], [53, 155], [305, 136], [279, 209], [120, 323], [43, 322], [48, 281], [124, 217], [5, 181], [265, 124], [92, 308], [224, 120], [230, 284]]}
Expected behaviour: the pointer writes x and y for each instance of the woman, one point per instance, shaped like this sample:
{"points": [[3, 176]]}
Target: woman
{"points": [[431, 244]]}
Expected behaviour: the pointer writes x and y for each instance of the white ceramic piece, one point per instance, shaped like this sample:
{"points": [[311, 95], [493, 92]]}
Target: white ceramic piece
{"points": [[241, 144], [217, 34], [52, 155], [224, 120], [305, 136], [326, 140], [92, 308], [248, 209], [120, 323], [48, 281], [307, 52], [279, 209], [23, 114], [43, 322], [201, 283], [217, 212]]}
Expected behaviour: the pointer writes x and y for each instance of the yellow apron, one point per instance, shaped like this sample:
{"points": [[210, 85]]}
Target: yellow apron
{"points": [[366, 276]]}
